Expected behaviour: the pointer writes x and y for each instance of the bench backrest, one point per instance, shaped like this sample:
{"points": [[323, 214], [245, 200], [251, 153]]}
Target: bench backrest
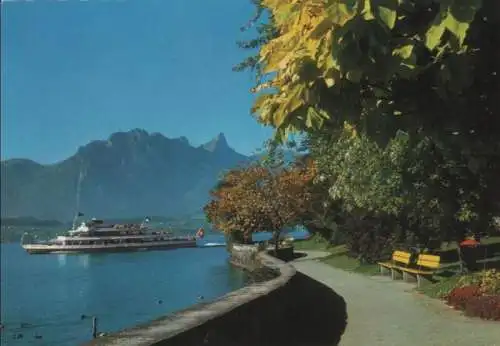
{"points": [[401, 257], [429, 261]]}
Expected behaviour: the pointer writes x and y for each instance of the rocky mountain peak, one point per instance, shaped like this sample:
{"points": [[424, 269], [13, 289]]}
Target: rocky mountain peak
{"points": [[129, 173], [218, 143]]}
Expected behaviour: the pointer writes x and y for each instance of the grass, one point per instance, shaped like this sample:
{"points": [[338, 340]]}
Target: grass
{"points": [[338, 256], [313, 243], [342, 261], [441, 287]]}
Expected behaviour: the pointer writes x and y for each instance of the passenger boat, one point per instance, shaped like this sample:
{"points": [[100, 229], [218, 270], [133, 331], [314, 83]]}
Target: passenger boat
{"points": [[95, 236]]}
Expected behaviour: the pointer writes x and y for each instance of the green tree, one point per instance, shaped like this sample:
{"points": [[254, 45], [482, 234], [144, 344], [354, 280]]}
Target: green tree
{"points": [[403, 96]]}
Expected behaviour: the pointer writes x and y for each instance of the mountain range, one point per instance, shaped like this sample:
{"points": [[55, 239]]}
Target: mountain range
{"points": [[130, 173]]}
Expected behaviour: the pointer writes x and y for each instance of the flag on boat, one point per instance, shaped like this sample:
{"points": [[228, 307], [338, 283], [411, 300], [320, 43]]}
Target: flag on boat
{"points": [[200, 233]]}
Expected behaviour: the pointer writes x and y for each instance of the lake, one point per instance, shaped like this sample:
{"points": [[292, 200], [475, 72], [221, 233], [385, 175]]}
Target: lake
{"points": [[46, 295]]}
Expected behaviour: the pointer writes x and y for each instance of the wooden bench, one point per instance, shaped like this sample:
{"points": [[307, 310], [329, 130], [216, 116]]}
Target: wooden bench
{"points": [[398, 262], [427, 265]]}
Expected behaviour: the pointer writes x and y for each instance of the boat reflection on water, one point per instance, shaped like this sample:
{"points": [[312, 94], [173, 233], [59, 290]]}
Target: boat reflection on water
{"points": [[61, 259], [82, 259]]}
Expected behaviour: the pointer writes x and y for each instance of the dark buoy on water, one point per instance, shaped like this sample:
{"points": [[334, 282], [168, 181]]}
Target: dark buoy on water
{"points": [[200, 298], [160, 301]]}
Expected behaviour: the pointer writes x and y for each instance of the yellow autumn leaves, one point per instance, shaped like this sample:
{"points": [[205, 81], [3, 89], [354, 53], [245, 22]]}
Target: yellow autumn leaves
{"points": [[325, 43], [298, 57]]}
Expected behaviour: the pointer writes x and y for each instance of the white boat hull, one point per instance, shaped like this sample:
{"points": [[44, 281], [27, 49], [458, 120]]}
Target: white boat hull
{"points": [[64, 249]]}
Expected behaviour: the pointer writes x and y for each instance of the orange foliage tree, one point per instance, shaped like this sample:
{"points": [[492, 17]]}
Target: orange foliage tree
{"points": [[260, 199]]}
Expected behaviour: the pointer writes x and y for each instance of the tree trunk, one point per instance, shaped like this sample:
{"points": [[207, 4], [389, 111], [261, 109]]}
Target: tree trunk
{"points": [[276, 242]]}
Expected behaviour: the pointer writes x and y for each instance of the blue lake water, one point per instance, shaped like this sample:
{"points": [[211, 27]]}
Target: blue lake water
{"points": [[46, 295]]}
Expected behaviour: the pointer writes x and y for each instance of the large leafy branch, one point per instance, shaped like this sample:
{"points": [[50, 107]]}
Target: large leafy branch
{"points": [[347, 60]]}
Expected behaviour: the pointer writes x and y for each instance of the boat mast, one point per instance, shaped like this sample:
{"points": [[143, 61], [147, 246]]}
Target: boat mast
{"points": [[78, 190]]}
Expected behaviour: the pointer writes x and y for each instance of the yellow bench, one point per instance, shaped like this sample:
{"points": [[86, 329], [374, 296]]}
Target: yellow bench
{"points": [[399, 261], [427, 265]]}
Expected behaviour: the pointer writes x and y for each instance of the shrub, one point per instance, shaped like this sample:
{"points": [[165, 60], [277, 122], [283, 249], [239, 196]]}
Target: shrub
{"points": [[488, 281], [486, 307], [459, 296], [369, 238], [318, 238], [469, 280]]}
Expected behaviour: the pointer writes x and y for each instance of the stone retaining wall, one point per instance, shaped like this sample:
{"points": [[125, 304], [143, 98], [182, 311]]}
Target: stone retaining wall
{"points": [[245, 256], [291, 309]]}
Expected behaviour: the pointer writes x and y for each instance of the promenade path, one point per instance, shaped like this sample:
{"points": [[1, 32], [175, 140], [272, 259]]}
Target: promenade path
{"points": [[390, 313]]}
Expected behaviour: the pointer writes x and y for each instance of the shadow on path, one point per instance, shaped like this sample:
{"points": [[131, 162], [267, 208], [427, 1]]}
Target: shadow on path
{"points": [[304, 312]]}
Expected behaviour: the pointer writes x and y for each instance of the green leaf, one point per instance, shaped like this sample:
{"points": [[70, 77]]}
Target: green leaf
{"points": [[321, 28], [460, 14], [294, 100], [366, 10], [283, 15], [404, 52], [455, 16], [435, 32], [315, 118], [259, 101], [457, 28], [341, 12], [385, 11], [329, 82], [308, 71], [280, 135], [348, 54]]}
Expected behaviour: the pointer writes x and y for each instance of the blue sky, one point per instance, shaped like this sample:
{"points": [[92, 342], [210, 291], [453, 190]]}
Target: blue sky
{"points": [[74, 71]]}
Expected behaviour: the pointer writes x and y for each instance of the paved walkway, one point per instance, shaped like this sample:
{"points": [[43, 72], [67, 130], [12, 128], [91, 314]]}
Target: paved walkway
{"points": [[383, 312]]}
